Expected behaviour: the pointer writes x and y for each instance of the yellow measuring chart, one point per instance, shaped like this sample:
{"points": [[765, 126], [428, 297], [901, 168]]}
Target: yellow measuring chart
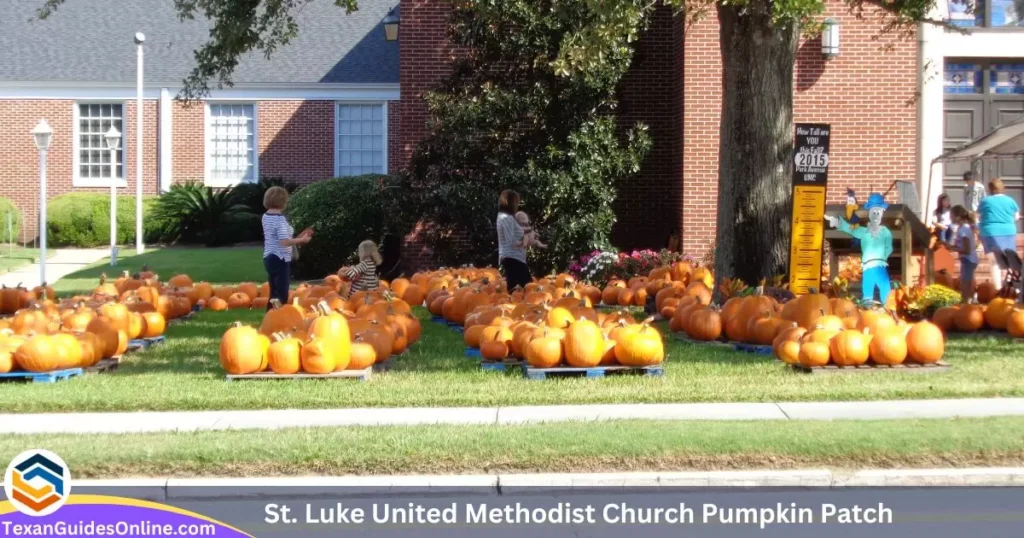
{"points": [[808, 235]]}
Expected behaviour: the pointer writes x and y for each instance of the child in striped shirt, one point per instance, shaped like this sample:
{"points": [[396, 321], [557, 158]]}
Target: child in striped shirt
{"points": [[364, 275]]}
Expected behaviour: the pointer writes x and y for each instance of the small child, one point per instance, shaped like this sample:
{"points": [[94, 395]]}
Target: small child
{"points": [[974, 193], [364, 275], [967, 247], [279, 243], [941, 223], [529, 236]]}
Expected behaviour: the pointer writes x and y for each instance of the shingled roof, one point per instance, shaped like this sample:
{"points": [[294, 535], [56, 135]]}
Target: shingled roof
{"points": [[90, 41]]}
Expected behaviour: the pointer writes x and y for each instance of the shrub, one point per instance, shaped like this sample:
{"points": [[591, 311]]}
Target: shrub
{"points": [[83, 220], [343, 212], [194, 213], [251, 194], [6, 234]]}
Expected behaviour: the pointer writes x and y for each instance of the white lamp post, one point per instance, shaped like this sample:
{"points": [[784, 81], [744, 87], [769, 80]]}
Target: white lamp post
{"points": [[830, 38], [140, 38], [113, 139], [42, 134], [391, 22]]}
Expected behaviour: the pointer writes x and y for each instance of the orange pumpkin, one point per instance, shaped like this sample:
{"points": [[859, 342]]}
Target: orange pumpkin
{"points": [[849, 348], [925, 343]]}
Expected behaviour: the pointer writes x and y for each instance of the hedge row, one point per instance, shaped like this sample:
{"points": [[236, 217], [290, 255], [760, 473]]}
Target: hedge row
{"points": [[83, 220]]}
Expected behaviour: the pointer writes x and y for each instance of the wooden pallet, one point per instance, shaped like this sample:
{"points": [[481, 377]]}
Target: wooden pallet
{"points": [[360, 375], [940, 366], [145, 343], [598, 371], [182, 319], [105, 365], [753, 348], [438, 319], [384, 365], [44, 377], [501, 366]]}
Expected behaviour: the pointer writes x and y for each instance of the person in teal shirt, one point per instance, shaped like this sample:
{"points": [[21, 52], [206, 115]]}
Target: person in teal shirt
{"points": [[875, 247], [998, 230]]}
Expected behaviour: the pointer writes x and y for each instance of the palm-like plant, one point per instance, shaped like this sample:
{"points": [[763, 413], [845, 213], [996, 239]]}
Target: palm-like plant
{"points": [[193, 212]]}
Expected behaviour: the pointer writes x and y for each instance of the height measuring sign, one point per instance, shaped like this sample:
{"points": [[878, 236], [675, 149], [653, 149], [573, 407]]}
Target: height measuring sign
{"points": [[810, 182]]}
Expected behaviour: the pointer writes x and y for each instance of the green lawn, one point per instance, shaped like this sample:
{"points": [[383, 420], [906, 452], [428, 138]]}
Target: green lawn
{"points": [[12, 258], [214, 265], [566, 447], [185, 374]]}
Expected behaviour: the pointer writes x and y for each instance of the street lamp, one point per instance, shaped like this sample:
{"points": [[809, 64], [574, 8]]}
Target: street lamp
{"points": [[42, 134], [391, 23], [140, 38], [113, 140], [830, 38]]}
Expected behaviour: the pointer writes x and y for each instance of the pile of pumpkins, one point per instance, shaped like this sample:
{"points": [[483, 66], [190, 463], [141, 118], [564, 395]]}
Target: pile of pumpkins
{"points": [[812, 330], [663, 283], [45, 335], [330, 335], [998, 314], [550, 323]]}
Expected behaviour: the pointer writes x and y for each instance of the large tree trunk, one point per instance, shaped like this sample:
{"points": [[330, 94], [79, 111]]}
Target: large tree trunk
{"points": [[756, 142]]}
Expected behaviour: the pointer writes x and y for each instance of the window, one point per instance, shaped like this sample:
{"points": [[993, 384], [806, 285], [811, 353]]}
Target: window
{"points": [[361, 133], [92, 158], [230, 144], [963, 78], [1007, 78], [975, 77], [987, 13]]}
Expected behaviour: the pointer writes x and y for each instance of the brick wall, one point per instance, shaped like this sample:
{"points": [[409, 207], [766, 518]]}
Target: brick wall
{"points": [[188, 142], [425, 60], [296, 140], [426, 57], [19, 161], [649, 204], [865, 94]]}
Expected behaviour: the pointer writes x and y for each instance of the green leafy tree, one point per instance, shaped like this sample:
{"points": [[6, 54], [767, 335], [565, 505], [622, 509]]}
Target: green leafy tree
{"points": [[506, 119], [758, 38]]}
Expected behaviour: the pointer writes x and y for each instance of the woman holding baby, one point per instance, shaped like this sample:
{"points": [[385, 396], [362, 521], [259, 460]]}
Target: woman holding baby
{"points": [[514, 236]]}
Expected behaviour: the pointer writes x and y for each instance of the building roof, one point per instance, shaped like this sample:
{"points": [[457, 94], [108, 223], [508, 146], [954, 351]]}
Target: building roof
{"points": [[91, 41]]}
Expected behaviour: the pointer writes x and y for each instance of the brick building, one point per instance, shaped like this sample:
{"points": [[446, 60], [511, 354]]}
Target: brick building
{"points": [[894, 105], [324, 106]]}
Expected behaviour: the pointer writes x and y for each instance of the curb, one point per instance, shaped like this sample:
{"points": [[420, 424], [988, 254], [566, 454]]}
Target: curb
{"points": [[189, 421], [162, 489]]}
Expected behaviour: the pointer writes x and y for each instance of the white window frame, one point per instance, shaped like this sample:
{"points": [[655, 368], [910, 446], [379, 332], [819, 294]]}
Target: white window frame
{"points": [[208, 179], [76, 146], [384, 148]]}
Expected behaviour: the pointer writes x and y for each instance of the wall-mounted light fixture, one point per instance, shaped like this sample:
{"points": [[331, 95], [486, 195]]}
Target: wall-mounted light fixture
{"points": [[830, 38], [391, 23]]}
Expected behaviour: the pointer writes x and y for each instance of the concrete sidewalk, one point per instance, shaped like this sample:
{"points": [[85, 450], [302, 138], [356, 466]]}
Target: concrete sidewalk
{"points": [[144, 422], [61, 263], [160, 489]]}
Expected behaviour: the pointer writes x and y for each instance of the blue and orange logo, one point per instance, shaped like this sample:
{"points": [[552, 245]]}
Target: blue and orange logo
{"points": [[37, 482]]}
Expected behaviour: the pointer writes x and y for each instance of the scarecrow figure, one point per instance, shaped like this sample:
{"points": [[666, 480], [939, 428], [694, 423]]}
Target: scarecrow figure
{"points": [[875, 246]]}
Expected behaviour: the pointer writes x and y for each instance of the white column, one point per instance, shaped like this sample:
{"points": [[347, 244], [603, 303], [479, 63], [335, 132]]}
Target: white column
{"points": [[166, 130], [138, 154], [929, 115], [42, 218]]}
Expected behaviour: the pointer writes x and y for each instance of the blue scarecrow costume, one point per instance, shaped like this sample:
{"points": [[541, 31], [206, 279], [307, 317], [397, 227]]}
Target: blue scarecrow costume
{"points": [[876, 247]]}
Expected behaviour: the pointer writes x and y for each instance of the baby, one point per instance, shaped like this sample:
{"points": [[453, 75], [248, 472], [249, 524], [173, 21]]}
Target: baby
{"points": [[529, 236]]}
